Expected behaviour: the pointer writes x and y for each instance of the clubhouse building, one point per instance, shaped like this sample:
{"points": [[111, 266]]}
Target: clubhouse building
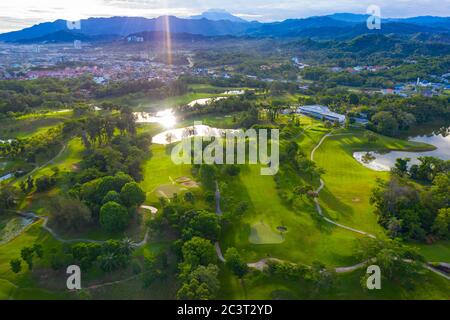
{"points": [[321, 112]]}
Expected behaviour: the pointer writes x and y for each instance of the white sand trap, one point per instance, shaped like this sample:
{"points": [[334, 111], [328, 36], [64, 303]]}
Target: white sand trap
{"points": [[169, 190], [153, 210]]}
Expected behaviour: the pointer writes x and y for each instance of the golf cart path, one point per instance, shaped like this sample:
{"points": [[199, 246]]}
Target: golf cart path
{"points": [[45, 226], [47, 163], [322, 185], [263, 263]]}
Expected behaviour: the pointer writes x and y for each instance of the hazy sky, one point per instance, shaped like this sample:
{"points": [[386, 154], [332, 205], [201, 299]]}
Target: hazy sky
{"points": [[17, 14]]}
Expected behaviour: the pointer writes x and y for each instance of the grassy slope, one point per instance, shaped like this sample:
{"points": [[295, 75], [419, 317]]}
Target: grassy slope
{"points": [[31, 124], [25, 285], [349, 184], [345, 199], [308, 238], [65, 161]]}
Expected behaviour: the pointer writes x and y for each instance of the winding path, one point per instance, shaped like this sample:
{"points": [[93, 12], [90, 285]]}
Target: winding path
{"points": [[322, 185], [262, 264], [45, 226], [45, 164], [259, 265]]}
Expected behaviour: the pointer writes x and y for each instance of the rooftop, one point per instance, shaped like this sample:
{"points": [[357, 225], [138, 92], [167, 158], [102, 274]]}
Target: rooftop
{"points": [[323, 111]]}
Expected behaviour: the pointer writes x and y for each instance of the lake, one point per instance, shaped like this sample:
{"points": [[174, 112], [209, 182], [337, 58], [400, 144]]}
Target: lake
{"points": [[176, 135], [385, 161], [204, 101], [165, 118]]}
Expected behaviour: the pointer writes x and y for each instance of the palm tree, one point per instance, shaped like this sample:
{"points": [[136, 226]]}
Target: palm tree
{"points": [[127, 246], [108, 262]]}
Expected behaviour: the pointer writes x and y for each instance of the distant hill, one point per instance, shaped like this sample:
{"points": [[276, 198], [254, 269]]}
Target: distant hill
{"points": [[124, 26], [217, 15], [349, 17], [221, 23], [58, 37], [161, 36]]}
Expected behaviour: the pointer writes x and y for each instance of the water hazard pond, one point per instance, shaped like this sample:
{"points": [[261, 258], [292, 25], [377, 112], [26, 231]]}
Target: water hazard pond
{"points": [[385, 161]]}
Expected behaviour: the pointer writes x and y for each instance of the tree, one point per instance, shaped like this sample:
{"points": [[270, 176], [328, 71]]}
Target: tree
{"points": [[303, 190], [70, 214], [23, 186], [328, 124], [441, 225], [401, 166], [16, 265], [27, 254], [385, 123], [370, 136], [322, 277], [86, 254], [112, 196], [30, 183], [8, 196], [45, 183], [235, 262], [201, 283], [127, 246], [241, 208], [109, 262], [207, 175], [353, 98], [199, 251], [189, 197], [37, 248], [400, 263], [203, 224], [132, 195], [113, 217], [232, 170]]}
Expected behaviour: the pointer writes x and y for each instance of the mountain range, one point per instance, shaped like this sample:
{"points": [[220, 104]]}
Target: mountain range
{"points": [[221, 23], [217, 15]]}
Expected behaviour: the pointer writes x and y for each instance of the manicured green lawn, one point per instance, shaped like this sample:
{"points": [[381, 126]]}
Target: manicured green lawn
{"points": [[25, 285], [160, 170], [65, 161], [307, 238], [436, 252], [349, 184]]}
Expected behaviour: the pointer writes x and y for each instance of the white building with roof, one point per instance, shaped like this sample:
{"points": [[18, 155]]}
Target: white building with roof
{"points": [[321, 112]]}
